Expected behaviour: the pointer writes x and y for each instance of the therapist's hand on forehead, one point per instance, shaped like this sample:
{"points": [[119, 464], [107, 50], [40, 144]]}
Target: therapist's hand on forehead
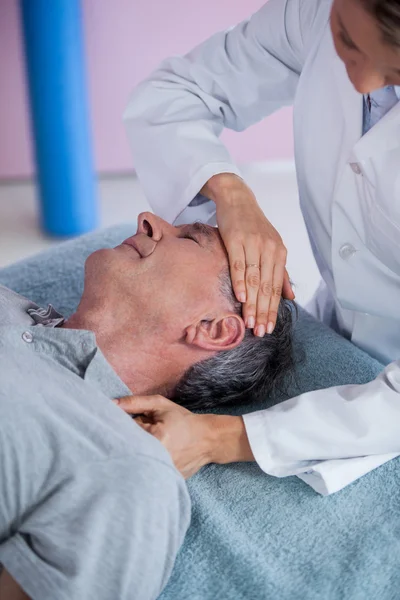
{"points": [[257, 255], [338, 63]]}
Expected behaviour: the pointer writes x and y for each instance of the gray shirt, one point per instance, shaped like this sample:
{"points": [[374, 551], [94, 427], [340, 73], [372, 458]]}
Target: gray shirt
{"points": [[91, 505]]}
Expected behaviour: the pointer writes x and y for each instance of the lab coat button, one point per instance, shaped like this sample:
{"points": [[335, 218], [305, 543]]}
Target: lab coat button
{"points": [[347, 251], [27, 337], [355, 168]]}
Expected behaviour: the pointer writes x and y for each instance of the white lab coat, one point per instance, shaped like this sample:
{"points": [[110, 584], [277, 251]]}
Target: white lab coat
{"points": [[349, 189]]}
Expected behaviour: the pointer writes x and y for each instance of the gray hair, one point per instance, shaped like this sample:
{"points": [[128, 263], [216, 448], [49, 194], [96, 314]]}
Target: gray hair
{"points": [[252, 370], [387, 15]]}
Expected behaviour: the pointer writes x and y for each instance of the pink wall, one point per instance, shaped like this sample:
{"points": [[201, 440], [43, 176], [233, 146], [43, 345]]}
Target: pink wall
{"points": [[125, 40]]}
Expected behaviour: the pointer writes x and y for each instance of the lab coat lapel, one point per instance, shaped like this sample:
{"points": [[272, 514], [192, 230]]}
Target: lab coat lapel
{"points": [[382, 137], [351, 105]]}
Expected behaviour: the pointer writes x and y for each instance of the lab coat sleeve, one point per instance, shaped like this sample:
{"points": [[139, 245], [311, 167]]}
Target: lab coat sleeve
{"points": [[331, 437], [232, 80]]}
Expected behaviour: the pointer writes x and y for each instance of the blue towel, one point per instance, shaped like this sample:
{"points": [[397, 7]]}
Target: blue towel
{"points": [[253, 536]]}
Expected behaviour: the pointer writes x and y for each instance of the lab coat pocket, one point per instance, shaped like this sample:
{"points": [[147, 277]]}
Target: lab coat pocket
{"points": [[381, 213]]}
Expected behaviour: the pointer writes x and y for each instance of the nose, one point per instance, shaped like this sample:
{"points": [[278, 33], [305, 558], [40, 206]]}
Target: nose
{"points": [[364, 78], [150, 225]]}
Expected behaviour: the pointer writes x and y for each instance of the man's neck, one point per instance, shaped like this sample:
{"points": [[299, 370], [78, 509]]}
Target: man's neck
{"points": [[147, 364]]}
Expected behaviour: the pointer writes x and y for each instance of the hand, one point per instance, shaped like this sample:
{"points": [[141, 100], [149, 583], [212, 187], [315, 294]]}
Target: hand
{"points": [[184, 434], [10, 589], [257, 256], [192, 440]]}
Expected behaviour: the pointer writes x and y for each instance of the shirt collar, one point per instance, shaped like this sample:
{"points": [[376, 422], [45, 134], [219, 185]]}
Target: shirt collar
{"points": [[397, 90], [74, 349], [77, 351], [100, 373]]}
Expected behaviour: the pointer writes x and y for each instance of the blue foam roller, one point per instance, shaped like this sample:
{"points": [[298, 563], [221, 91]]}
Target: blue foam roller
{"points": [[55, 62]]}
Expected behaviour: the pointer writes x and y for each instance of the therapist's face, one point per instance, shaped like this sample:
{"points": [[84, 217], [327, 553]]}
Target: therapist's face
{"points": [[371, 62]]}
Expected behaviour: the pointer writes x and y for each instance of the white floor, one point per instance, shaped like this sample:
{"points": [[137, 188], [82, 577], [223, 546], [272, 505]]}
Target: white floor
{"points": [[122, 199]]}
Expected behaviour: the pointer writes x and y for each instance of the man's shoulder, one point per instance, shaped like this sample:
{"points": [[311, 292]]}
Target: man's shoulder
{"points": [[41, 399]]}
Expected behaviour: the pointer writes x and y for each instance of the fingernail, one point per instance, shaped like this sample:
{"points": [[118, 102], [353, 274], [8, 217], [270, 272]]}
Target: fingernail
{"points": [[260, 331], [250, 322], [242, 297], [116, 401], [270, 328]]}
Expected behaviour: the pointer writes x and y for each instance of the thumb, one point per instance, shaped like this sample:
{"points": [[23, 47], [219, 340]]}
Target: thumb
{"points": [[137, 405]]}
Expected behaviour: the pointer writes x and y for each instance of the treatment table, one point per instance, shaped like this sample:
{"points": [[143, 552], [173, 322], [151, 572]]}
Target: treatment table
{"points": [[254, 536]]}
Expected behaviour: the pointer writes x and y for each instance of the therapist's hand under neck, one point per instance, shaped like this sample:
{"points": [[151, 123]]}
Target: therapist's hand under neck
{"points": [[257, 255], [192, 440]]}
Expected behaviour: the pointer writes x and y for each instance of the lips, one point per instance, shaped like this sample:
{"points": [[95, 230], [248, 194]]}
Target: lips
{"points": [[131, 242], [142, 244]]}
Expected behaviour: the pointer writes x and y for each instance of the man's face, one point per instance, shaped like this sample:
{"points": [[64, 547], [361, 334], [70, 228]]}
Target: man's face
{"points": [[163, 278], [370, 62]]}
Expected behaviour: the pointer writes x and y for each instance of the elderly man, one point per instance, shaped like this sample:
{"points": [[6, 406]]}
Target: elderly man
{"points": [[91, 504]]}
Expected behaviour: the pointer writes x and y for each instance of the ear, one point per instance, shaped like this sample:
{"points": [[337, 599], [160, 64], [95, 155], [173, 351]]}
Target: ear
{"points": [[218, 334]]}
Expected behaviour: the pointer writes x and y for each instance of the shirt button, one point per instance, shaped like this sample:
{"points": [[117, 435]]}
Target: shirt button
{"points": [[347, 251], [27, 337], [355, 168]]}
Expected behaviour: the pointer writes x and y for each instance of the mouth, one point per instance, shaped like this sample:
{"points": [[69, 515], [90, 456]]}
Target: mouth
{"points": [[130, 242]]}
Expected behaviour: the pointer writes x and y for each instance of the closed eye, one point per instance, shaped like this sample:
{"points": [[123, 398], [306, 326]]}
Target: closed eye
{"points": [[199, 233], [187, 236]]}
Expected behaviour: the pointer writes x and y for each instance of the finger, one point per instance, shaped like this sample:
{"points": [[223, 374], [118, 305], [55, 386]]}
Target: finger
{"points": [[237, 269], [287, 289], [276, 294], [142, 404], [253, 285], [152, 429], [265, 292], [146, 426], [252, 278], [143, 419]]}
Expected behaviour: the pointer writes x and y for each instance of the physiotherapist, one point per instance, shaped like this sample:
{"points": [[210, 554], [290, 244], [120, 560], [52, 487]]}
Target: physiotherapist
{"points": [[338, 63]]}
